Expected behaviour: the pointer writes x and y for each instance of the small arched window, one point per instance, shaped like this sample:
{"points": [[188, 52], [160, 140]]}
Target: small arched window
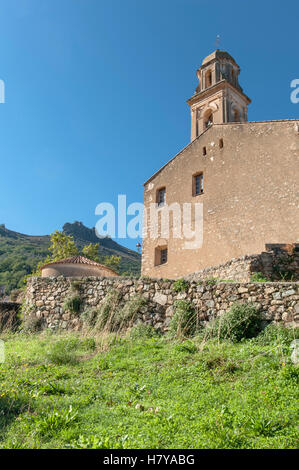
{"points": [[208, 119]]}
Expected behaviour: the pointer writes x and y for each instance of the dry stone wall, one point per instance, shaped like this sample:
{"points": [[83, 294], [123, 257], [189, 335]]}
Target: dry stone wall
{"points": [[45, 299], [275, 264]]}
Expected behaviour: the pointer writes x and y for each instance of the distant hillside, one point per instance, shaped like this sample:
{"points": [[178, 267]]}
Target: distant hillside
{"points": [[20, 253]]}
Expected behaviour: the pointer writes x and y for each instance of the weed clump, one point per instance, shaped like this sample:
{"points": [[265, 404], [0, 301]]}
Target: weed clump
{"points": [[277, 334], [72, 303], [143, 331], [258, 277], [51, 422], [184, 322], [111, 316], [181, 285], [240, 322], [63, 351], [33, 324]]}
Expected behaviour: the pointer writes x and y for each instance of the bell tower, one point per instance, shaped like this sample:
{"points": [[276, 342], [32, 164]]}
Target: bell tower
{"points": [[218, 97]]}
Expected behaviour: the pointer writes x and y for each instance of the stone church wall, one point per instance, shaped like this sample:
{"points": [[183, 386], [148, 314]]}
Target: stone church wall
{"points": [[250, 195]]}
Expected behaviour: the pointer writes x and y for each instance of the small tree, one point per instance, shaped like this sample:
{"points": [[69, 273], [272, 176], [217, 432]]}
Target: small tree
{"points": [[112, 262], [91, 251], [62, 246]]}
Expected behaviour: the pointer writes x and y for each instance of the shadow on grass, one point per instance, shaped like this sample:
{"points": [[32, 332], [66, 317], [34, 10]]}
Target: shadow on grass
{"points": [[11, 407]]}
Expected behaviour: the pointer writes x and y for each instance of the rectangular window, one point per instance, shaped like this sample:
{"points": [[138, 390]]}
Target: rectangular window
{"points": [[198, 184], [161, 255], [161, 199]]}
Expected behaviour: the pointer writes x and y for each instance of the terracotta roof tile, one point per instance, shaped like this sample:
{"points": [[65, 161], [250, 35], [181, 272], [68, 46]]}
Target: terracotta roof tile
{"points": [[78, 260]]}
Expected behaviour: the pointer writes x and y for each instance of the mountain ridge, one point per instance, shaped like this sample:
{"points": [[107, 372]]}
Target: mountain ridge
{"points": [[20, 253]]}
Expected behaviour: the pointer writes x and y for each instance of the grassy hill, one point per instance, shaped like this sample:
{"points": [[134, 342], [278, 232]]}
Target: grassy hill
{"points": [[73, 391], [20, 253]]}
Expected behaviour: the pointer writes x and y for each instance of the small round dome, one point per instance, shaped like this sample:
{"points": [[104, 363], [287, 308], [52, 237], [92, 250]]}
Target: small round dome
{"points": [[77, 266], [217, 55]]}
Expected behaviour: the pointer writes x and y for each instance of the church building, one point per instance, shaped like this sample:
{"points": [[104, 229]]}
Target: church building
{"points": [[244, 175]]}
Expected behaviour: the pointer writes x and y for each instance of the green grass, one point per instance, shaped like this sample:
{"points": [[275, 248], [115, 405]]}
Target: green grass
{"points": [[70, 391]]}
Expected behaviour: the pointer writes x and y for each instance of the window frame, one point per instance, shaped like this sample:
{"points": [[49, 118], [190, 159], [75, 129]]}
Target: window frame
{"points": [[194, 184], [159, 251], [159, 192]]}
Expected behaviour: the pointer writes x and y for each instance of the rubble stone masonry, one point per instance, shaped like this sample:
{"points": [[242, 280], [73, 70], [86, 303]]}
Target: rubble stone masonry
{"points": [[45, 297]]}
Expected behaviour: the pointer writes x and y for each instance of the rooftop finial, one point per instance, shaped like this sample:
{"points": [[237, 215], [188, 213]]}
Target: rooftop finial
{"points": [[218, 37]]}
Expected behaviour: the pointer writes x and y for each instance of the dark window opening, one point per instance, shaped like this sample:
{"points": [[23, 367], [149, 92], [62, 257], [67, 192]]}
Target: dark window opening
{"points": [[208, 120], [208, 78], [236, 116], [198, 184], [161, 197], [163, 257], [204, 150], [221, 143]]}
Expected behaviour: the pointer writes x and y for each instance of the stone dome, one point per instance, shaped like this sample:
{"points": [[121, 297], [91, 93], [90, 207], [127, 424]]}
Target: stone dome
{"points": [[217, 55]]}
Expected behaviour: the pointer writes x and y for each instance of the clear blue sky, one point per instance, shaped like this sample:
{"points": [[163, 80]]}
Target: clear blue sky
{"points": [[96, 93]]}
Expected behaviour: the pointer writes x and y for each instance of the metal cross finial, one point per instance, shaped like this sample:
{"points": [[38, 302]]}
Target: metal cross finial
{"points": [[217, 41]]}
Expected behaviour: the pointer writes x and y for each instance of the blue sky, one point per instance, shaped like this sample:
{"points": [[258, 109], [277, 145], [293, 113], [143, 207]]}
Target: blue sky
{"points": [[96, 93]]}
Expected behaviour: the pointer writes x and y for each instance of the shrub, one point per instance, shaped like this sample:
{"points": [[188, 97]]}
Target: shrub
{"points": [[184, 321], [143, 331], [32, 324], [279, 334], [88, 344], [63, 351], [180, 285], [72, 303], [258, 277], [186, 347], [241, 321]]}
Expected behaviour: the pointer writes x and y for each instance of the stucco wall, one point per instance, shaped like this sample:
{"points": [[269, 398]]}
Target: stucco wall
{"points": [[250, 195], [45, 299], [70, 270]]}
